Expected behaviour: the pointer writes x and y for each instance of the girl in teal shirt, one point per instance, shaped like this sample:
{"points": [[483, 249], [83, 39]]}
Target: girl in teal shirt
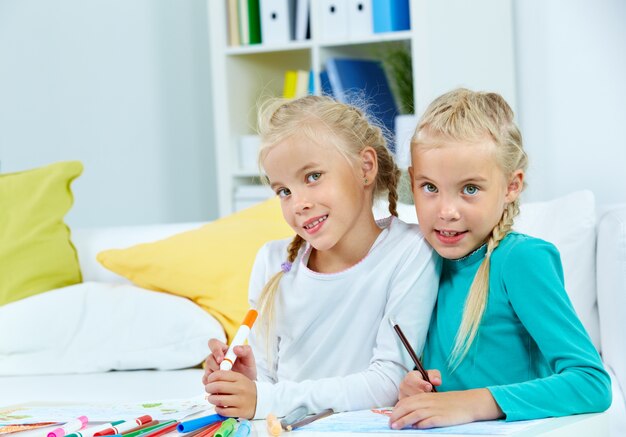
{"points": [[504, 340]]}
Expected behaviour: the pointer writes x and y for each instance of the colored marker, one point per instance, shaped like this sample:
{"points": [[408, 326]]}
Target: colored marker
{"points": [[240, 338], [89, 432], [192, 425], [208, 431], [147, 429], [163, 430], [124, 426], [243, 430], [71, 426], [293, 417], [273, 425], [228, 426]]}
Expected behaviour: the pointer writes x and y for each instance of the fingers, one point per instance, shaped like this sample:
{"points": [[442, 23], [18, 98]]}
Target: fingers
{"points": [[408, 412], [435, 377], [218, 349], [413, 383]]}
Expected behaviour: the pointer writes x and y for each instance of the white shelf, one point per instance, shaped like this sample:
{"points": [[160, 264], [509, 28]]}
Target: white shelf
{"points": [[452, 44]]}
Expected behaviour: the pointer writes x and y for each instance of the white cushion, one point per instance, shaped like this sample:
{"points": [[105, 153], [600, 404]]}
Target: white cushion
{"points": [[94, 327], [569, 222], [612, 290]]}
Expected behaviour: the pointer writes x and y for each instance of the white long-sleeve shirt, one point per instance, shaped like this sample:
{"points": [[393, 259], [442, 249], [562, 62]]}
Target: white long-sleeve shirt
{"points": [[333, 345]]}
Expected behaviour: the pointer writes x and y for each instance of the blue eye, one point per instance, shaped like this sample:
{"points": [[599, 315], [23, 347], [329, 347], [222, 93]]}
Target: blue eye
{"points": [[429, 188], [283, 192], [470, 190], [312, 177]]}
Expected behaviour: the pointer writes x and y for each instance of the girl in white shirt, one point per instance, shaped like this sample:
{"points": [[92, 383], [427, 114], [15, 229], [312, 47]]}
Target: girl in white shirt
{"points": [[323, 338]]}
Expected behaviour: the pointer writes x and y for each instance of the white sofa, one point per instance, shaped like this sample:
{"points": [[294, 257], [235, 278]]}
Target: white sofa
{"points": [[592, 246]]}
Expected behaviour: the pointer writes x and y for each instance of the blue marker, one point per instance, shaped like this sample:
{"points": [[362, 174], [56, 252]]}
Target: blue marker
{"points": [[192, 425], [243, 430]]}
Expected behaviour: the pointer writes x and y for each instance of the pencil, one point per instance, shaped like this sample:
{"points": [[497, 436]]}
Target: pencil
{"points": [[409, 349]]}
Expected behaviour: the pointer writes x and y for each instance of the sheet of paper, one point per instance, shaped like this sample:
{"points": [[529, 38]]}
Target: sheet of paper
{"points": [[377, 421], [103, 412]]}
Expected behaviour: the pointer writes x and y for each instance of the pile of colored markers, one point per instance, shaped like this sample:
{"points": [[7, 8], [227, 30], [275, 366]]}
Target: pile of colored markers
{"points": [[207, 426]]}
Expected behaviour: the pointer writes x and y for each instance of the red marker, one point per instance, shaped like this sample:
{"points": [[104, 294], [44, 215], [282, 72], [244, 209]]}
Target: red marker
{"points": [[124, 426]]}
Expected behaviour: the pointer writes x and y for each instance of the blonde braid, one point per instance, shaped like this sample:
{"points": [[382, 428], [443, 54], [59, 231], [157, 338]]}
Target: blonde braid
{"points": [[267, 299], [476, 301]]}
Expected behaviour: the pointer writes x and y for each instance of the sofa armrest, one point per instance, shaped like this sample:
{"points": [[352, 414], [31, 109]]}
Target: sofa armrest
{"points": [[90, 242], [611, 280]]}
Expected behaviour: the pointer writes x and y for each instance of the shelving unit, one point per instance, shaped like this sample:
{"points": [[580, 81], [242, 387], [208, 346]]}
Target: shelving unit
{"points": [[453, 43]]}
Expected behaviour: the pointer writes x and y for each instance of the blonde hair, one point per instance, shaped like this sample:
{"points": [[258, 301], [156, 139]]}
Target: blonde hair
{"points": [[467, 115], [322, 120]]}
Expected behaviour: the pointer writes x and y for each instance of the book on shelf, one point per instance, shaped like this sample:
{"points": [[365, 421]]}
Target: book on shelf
{"points": [[391, 15], [244, 30], [233, 23], [363, 82], [360, 18], [298, 83]]}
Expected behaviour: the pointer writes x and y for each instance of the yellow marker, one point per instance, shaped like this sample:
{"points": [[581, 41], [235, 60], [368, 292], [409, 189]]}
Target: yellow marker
{"points": [[273, 425]]}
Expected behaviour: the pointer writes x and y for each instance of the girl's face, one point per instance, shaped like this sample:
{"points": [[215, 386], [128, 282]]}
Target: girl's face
{"points": [[460, 192], [323, 197]]}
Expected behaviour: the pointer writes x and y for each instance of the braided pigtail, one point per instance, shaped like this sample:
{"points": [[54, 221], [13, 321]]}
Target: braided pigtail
{"points": [[476, 301]]}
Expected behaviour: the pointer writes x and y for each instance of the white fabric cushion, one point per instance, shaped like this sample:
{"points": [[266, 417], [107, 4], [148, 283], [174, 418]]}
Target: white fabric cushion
{"points": [[94, 327]]}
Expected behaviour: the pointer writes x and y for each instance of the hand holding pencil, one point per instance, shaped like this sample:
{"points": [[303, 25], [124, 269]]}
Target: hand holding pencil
{"points": [[414, 383], [421, 380]]}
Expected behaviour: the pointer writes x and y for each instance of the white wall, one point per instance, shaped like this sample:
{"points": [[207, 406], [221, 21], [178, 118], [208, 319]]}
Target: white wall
{"points": [[571, 62], [122, 86]]}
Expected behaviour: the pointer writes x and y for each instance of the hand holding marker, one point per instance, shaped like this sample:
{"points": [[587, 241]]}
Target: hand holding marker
{"points": [[239, 340]]}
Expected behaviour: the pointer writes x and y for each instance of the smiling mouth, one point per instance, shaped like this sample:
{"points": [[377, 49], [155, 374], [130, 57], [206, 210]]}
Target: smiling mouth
{"points": [[450, 233], [315, 222]]}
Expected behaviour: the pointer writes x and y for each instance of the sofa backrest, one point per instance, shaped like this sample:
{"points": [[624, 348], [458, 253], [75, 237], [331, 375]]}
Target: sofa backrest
{"points": [[611, 269]]}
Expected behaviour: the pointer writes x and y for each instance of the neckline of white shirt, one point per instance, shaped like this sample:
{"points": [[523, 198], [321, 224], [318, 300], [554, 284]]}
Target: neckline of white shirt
{"points": [[385, 225]]}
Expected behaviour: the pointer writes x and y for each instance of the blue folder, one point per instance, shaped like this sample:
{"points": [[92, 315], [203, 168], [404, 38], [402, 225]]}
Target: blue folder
{"points": [[359, 81]]}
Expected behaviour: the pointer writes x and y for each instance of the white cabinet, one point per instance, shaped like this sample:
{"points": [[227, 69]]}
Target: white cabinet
{"points": [[453, 43]]}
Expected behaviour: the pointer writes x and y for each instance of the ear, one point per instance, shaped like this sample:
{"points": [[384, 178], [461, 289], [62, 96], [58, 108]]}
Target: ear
{"points": [[515, 186], [369, 165]]}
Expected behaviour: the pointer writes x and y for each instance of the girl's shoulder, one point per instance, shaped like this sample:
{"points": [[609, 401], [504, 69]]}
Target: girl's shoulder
{"points": [[523, 246], [399, 228]]}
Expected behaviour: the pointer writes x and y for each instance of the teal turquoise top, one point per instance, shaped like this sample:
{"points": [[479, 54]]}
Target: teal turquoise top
{"points": [[531, 350]]}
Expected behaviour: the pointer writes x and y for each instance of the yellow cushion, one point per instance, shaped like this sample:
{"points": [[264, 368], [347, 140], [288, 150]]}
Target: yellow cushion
{"points": [[36, 253], [210, 265]]}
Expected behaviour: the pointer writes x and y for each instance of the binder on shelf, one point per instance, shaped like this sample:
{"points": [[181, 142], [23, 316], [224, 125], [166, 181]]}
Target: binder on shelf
{"points": [[254, 21], [390, 15], [301, 28], [360, 18], [333, 18], [277, 21], [233, 23], [364, 81]]}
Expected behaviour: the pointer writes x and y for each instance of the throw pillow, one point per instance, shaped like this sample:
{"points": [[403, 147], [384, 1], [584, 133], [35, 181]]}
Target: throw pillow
{"points": [[210, 265], [97, 327], [36, 253]]}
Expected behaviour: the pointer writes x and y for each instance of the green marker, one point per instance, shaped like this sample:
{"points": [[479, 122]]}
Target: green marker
{"points": [[228, 426]]}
